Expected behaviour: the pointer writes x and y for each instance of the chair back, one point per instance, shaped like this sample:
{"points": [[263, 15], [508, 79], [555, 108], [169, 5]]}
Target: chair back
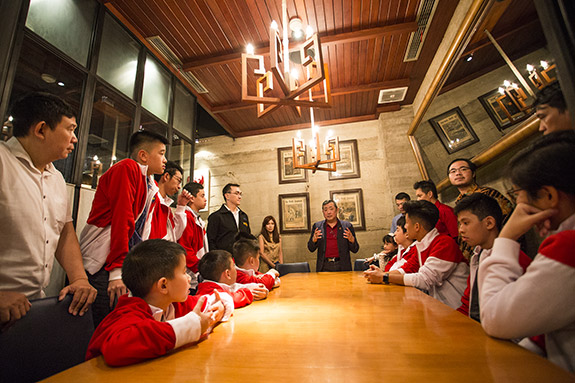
{"points": [[360, 265], [297, 267], [44, 342]]}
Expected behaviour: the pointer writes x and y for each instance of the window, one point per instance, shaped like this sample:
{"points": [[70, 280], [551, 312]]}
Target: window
{"points": [[110, 130], [181, 153], [66, 24], [40, 70], [157, 89], [118, 60], [184, 113]]}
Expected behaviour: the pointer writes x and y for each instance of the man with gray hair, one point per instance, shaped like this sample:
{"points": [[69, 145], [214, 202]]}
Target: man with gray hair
{"points": [[333, 239]]}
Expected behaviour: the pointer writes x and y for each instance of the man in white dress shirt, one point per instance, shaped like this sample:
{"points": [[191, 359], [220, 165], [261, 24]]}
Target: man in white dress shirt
{"points": [[35, 220]]}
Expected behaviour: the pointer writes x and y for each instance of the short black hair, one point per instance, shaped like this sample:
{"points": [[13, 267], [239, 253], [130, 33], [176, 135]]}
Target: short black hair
{"points": [[328, 201], [149, 261], [426, 186], [244, 248], [551, 95], [193, 188], [470, 165], [171, 169], [34, 107], [403, 195], [228, 189], [424, 212], [144, 137], [401, 223], [388, 238], [213, 264], [548, 161], [482, 206]]}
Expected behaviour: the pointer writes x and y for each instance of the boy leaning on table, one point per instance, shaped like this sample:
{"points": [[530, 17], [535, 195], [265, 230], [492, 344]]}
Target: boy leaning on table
{"points": [[158, 315]]}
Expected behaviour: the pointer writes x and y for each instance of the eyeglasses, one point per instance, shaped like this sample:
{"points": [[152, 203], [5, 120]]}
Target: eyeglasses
{"points": [[514, 192], [460, 170], [179, 179], [238, 193]]}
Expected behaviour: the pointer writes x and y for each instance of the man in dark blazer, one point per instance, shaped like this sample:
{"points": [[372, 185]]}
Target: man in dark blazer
{"points": [[225, 223], [333, 239]]}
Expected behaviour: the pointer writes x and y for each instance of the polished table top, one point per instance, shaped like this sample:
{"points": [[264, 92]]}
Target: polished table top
{"points": [[336, 327]]}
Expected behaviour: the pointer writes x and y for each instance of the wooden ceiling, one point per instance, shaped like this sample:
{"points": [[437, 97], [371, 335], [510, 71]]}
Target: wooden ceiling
{"points": [[363, 43], [515, 26]]}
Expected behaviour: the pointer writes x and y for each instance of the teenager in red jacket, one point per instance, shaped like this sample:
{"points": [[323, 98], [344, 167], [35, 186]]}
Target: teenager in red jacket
{"points": [[118, 217], [159, 315], [194, 238]]}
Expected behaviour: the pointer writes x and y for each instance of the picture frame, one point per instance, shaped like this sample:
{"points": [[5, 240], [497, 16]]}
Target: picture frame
{"points": [[497, 114], [348, 166], [286, 172], [453, 130], [350, 206], [294, 213]]}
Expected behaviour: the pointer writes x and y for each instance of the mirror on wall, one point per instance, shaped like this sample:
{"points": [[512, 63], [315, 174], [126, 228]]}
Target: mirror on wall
{"points": [[483, 100]]}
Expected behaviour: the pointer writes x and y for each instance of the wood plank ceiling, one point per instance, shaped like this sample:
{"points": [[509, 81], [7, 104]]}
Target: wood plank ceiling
{"points": [[363, 43]]}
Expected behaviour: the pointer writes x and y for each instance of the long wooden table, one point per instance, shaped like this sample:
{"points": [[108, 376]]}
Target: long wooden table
{"points": [[336, 327]]}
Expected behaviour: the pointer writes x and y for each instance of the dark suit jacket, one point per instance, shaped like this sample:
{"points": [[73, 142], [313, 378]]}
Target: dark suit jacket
{"points": [[222, 228], [343, 245]]}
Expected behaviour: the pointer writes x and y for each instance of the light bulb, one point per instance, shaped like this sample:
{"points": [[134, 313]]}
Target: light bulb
{"points": [[544, 64], [501, 90], [250, 49], [308, 32], [274, 25], [530, 68], [506, 83]]}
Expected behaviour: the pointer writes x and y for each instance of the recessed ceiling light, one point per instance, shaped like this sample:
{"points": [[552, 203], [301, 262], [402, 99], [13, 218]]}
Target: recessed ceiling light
{"points": [[48, 78]]}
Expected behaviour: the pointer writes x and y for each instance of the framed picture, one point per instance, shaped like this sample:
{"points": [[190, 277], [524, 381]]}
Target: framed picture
{"points": [[294, 213], [348, 166], [453, 130], [286, 172], [350, 206], [497, 114]]}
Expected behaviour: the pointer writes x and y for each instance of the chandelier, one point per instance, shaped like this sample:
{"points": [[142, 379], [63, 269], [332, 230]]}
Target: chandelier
{"points": [[296, 71]]}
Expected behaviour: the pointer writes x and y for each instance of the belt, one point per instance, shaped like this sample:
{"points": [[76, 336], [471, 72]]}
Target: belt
{"points": [[334, 259]]}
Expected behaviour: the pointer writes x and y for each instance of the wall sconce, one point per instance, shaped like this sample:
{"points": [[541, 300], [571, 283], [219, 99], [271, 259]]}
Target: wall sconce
{"points": [[512, 100]]}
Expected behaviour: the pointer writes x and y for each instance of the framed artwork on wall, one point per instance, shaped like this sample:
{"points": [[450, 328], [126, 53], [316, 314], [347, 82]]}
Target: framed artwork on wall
{"points": [[350, 206], [348, 166], [496, 113], [453, 130], [286, 172], [294, 213]]}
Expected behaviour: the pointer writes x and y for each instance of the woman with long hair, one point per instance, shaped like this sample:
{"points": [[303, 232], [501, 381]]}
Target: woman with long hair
{"points": [[270, 244]]}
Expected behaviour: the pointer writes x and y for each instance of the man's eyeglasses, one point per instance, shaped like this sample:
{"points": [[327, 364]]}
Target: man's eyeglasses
{"points": [[460, 170], [236, 193]]}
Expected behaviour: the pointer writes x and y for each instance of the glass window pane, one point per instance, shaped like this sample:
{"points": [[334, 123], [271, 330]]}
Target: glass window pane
{"points": [[150, 123], [184, 111], [181, 153], [66, 24], [40, 70], [110, 130], [157, 89], [118, 59]]}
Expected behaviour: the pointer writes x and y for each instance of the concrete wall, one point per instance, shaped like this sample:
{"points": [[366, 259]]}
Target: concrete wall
{"points": [[386, 162]]}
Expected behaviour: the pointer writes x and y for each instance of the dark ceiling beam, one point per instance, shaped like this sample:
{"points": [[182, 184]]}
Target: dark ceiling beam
{"points": [[335, 92], [326, 40]]}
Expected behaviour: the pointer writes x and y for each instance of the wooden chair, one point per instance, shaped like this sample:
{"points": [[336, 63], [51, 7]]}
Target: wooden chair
{"points": [[46, 341], [297, 267]]}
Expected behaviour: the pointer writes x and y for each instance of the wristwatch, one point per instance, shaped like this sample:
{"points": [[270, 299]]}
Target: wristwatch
{"points": [[386, 278]]}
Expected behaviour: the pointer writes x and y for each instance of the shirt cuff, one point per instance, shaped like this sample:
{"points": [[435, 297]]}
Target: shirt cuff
{"points": [[115, 274], [187, 328], [409, 279], [181, 209]]}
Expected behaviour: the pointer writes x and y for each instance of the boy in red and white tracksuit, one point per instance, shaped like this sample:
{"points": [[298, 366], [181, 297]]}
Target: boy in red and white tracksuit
{"points": [[194, 238]]}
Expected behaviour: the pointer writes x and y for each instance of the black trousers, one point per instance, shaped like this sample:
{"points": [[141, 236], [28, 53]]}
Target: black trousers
{"points": [[101, 306], [331, 266]]}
